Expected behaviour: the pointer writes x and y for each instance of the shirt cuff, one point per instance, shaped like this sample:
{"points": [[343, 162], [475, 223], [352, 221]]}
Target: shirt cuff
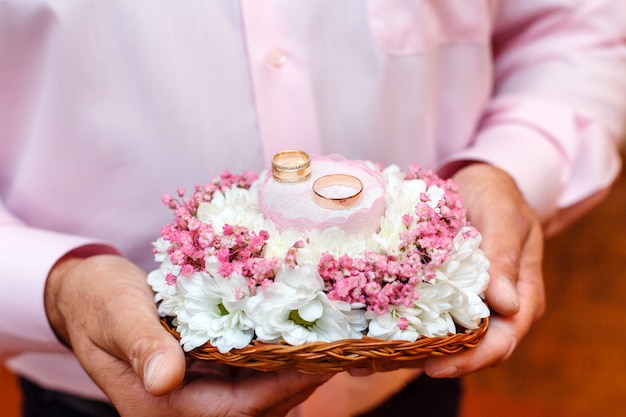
{"points": [[535, 164], [556, 157]]}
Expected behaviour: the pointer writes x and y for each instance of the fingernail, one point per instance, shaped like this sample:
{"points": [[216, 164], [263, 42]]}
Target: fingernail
{"points": [[451, 371], [509, 293], [151, 370]]}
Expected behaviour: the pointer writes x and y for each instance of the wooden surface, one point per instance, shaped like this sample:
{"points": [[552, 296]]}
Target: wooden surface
{"points": [[9, 394], [573, 363]]}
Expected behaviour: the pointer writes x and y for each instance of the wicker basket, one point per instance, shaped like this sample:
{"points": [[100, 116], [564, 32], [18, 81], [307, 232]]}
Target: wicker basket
{"points": [[322, 357]]}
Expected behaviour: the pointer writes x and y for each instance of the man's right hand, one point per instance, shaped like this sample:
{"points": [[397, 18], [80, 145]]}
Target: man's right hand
{"points": [[103, 308]]}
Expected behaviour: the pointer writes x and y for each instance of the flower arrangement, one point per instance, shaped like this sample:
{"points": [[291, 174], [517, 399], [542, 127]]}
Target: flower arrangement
{"points": [[228, 276]]}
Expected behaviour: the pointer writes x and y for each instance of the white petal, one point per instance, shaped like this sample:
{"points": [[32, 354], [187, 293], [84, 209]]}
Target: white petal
{"points": [[311, 311]]}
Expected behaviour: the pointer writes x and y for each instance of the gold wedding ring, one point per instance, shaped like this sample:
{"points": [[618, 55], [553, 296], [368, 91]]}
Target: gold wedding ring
{"points": [[337, 191], [291, 167]]}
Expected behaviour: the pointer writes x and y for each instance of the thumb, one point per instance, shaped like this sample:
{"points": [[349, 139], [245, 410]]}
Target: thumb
{"points": [[502, 297], [128, 328], [508, 241], [153, 353], [137, 357], [157, 358], [135, 366], [496, 208], [503, 245]]}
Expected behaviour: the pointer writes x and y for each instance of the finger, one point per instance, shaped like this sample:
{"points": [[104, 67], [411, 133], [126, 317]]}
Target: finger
{"points": [[124, 324], [498, 344], [504, 238], [505, 332], [159, 361], [496, 208], [147, 363], [138, 338], [513, 243], [505, 225], [279, 391]]}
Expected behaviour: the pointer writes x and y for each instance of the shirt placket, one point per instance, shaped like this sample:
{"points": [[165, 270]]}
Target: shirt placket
{"points": [[281, 81]]}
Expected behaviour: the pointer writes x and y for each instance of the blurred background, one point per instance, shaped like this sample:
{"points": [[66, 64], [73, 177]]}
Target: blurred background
{"points": [[573, 362]]}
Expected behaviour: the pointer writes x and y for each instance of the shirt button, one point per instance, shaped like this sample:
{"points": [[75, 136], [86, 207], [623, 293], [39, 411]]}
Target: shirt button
{"points": [[277, 57]]}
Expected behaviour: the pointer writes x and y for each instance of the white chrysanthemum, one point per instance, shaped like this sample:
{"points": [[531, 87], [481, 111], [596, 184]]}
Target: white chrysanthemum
{"points": [[234, 206], [316, 242], [393, 178], [467, 270], [332, 240], [386, 326], [429, 316], [214, 311], [453, 296], [296, 309], [434, 306], [170, 302], [158, 278], [161, 246], [401, 198], [279, 243]]}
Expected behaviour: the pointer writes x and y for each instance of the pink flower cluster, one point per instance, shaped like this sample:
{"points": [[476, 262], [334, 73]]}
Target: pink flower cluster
{"points": [[237, 249], [381, 280], [375, 280]]}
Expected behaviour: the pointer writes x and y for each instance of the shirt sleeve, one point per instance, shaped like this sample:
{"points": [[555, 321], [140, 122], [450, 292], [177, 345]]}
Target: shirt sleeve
{"points": [[558, 111], [27, 256]]}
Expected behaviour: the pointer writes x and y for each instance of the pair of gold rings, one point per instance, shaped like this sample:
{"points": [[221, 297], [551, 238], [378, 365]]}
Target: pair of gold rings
{"points": [[333, 191]]}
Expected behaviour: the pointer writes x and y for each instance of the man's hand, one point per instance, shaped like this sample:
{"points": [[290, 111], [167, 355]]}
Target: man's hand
{"points": [[103, 308], [513, 242]]}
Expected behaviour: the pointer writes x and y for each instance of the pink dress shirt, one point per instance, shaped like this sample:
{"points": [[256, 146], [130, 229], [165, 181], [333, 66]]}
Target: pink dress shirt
{"points": [[105, 105]]}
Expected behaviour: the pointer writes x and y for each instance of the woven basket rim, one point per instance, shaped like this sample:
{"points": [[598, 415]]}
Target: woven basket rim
{"points": [[342, 355]]}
